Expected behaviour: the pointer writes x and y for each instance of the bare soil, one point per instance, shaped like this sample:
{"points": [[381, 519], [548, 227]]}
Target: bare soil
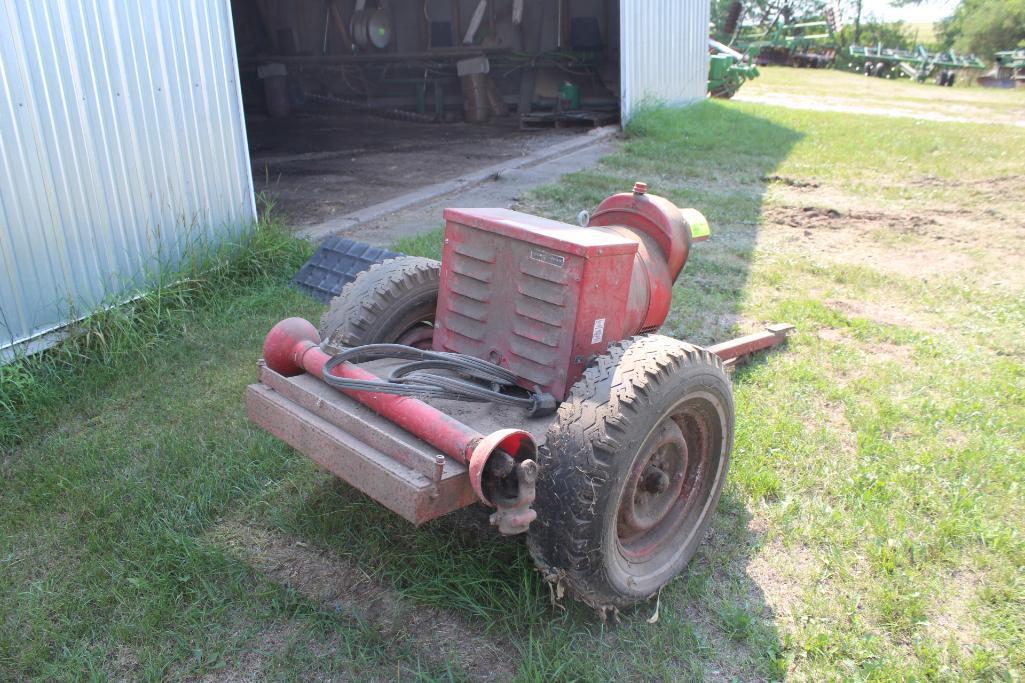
{"points": [[886, 314], [727, 658], [949, 614], [340, 584], [783, 574], [973, 242], [315, 167]]}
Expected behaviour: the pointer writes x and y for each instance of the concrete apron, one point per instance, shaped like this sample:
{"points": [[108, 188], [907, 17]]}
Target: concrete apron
{"points": [[498, 185]]}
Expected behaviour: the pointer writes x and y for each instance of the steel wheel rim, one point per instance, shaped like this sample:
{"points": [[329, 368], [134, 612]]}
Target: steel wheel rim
{"points": [[420, 336], [656, 482], [698, 420]]}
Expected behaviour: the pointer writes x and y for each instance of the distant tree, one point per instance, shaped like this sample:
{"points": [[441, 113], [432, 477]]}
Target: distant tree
{"points": [[857, 6], [893, 34], [983, 27], [764, 13], [721, 11]]}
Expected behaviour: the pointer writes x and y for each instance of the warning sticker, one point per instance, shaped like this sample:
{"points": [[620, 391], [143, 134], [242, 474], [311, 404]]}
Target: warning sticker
{"points": [[598, 331]]}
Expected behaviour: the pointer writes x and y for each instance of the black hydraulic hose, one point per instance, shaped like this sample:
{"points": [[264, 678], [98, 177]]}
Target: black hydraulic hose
{"points": [[415, 379]]}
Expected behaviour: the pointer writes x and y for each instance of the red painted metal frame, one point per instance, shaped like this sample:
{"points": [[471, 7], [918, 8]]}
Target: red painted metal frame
{"points": [[539, 297], [291, 347], [735, 349], [344, 437]]}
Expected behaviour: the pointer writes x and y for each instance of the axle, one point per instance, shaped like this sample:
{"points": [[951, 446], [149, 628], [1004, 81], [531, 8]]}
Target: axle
{"points": [[501, 465]]}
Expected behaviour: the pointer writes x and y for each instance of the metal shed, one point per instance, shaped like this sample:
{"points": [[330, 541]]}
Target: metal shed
{"points": [[123, 134], [663, 52], [123, 141]]}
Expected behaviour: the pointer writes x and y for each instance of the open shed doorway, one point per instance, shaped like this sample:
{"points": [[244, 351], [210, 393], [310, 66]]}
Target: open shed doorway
{"points": [[350, 103]]}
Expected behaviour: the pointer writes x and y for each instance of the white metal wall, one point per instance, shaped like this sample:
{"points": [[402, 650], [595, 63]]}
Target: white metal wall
{"points": [[663, 52], [121, 140]]}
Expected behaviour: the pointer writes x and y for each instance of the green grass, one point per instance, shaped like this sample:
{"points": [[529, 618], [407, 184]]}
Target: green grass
{"points": [[861, 93], [871, 526], [34, 389], [425, 244]]}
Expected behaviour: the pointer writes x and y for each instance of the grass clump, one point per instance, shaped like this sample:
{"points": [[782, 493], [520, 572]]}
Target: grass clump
{"points": [[34, 389]]}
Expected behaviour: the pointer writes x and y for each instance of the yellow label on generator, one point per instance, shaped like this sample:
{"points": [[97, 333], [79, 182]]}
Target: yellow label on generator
{"points": [[698, 224]]}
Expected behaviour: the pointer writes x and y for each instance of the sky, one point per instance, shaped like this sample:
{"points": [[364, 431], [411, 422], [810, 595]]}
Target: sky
{"points": [[928, 11]]}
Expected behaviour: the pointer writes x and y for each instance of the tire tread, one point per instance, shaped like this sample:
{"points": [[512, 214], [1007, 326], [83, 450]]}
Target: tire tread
{"points": [[583, 456], [353, 316]]}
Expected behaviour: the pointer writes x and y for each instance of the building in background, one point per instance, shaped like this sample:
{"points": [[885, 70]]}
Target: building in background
{"points": [[123, 126], [121, 142]]}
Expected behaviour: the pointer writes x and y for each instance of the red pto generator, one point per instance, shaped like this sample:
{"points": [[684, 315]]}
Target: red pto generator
{"points": [[523, 373]]}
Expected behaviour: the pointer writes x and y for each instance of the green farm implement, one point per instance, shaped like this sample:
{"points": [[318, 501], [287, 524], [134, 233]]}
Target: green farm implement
{"points": [[1007, 72], [918, 64], [727, 70], [805, 44]]}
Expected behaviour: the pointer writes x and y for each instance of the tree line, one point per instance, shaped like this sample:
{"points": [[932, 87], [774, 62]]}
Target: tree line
{"points": [[979, 27]]}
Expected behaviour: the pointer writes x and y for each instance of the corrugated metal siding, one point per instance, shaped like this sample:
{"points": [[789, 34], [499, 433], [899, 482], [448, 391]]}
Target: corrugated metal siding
{"points": [[121, 142], [663, 52]]}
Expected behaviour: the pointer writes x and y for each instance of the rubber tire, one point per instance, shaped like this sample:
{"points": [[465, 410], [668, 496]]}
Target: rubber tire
{"points": [[383, 303], [590, 450]]}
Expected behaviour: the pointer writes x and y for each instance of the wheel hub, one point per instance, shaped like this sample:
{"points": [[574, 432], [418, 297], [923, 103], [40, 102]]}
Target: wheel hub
{"points": [[655, 480], [655, 483]]}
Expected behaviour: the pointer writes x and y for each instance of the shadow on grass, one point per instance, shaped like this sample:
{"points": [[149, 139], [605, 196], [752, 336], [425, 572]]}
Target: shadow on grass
{"points": [[714, 620]]}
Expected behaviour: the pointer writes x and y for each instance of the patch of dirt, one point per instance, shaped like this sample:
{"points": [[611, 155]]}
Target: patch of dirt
{"points": [[782, 575], [980, 244], [878, 350], [789, 182], [836, 419], [897, 353], [853, 236], [251, 665], [872, 354], [123, 665], [1003, 186], [726, 658], [819, 218], [833, 335], [949, 613], [441, 636], [886, 314]]}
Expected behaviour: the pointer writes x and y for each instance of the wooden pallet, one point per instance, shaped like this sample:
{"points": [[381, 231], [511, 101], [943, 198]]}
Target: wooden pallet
{"points": [[578, 118]]}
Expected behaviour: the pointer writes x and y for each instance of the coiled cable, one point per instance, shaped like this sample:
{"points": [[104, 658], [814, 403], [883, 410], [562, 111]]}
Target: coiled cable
{"points": [[416, 379]]}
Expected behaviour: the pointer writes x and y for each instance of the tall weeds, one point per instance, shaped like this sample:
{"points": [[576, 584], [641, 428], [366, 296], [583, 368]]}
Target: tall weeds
{"points": [[35, 386]]}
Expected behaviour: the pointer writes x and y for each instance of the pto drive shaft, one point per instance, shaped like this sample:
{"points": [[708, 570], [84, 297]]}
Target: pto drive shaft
{"points": [[501, 465]]}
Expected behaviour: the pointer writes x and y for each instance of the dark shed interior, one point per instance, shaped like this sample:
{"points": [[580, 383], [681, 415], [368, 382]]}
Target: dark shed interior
{"points": [[350, 101]]}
